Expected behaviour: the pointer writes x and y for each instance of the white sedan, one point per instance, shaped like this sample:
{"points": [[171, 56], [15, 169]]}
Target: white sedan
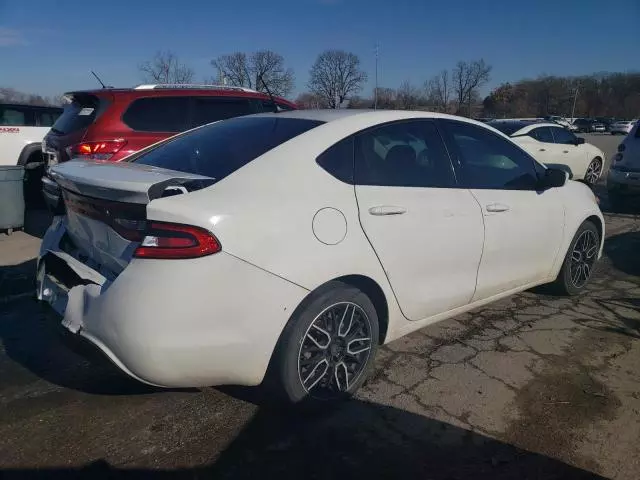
{"points": [[554, 145], [622, 127], [289, 246]]}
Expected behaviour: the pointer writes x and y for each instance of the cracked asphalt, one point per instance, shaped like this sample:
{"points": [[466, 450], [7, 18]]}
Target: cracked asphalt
{"points": [[531, 387]]}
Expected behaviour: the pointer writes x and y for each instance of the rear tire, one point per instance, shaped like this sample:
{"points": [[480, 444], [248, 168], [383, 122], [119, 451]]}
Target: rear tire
{"points": [[327, 348], [594, 171], [579, 261]]}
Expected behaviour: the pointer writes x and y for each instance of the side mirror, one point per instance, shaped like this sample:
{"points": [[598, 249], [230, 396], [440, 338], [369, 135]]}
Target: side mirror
{"points": [[553, 177], [579, 141]]}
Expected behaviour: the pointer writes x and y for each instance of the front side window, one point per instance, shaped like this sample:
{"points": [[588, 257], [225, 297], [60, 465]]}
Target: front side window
{"points": [[158, 114], [542, 134], [488, 161], [403, 154], [563, 136], [212, 109], [220, 149]]}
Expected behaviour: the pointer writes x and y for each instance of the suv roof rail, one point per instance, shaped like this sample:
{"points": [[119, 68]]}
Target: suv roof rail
{"points": [[169, 86]]}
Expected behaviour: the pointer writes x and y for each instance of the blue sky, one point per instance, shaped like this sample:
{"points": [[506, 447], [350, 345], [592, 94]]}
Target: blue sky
{"points": [[49, 46]]}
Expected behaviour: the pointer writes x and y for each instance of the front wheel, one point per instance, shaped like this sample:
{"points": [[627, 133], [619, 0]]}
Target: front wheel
{"points": [[579, 260], [327, 348], [594, 170]]}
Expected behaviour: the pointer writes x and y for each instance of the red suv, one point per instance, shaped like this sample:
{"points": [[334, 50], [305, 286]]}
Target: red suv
{"points": [[109, 124]]}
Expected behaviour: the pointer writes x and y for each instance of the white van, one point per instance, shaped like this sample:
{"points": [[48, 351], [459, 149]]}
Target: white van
{"points": [[22, 128]]}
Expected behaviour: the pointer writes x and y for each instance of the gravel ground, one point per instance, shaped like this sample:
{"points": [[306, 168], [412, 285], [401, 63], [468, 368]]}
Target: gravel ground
{"points": [[534, 386]]}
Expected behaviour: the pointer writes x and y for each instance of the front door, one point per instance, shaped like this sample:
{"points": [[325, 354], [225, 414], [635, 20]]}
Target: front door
{"points": [[523, 226], [426, 232]]}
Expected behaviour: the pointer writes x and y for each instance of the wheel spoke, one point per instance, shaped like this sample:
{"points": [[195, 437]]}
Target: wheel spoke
{"points": [[590, 253], [363, 348], [575, 256], [323, 333], [586, 271], [316, 374], [344, 333], [575, 276], [343, 386]]}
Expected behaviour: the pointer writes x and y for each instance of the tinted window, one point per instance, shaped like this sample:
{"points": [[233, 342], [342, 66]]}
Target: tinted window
{"points": [[563, 136], [207, 110], [46, 119], [542, 134], [509, 127], [219, 149], [489, 161], [158, 114], [79, 114], [338, 160], [14, 116], [405, 154]]}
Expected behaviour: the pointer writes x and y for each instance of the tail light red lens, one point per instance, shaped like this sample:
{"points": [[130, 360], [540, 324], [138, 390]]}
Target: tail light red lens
{"points": [[97, 150], [174, 241]]}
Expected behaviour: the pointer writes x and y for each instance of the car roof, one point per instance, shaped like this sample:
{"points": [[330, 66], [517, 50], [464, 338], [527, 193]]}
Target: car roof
{"points": [[147, 90]]}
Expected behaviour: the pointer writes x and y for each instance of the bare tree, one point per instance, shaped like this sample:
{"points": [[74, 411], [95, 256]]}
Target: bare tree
{"points": [[241, 70], [408, 96], [309, 100], [467, 78], [335, 75], [439, 90], [166, 68]]}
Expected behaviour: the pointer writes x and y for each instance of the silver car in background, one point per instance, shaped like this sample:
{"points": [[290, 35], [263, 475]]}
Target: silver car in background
{"points": [[622, 127]]}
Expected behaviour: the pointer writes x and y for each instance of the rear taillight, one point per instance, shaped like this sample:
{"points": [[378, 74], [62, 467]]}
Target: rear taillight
{"points": [[96, 150], [174, 241]]}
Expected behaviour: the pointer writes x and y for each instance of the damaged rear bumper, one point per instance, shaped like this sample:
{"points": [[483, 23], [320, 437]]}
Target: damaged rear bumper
{"points": [[186, 323]]}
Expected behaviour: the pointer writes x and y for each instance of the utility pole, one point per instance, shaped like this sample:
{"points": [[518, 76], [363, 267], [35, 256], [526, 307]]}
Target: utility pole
{"points": [[575, 97], [375, 90]]}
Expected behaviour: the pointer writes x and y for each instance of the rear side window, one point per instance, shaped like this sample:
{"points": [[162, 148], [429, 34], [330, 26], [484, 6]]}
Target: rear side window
{"points": [[158, 114], [563, 136], [79, 114], [47, 119], [338, 160], [542, 134], [208, 110], [219, 149], [16, 116]]}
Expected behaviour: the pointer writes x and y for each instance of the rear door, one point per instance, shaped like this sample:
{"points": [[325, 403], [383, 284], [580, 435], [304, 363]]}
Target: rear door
{"points": [[523, 227], [426, 231], [539, 143]]}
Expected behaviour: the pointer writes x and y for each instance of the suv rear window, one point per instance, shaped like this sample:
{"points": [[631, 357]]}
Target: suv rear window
{"points": [[211, 109], [158, 114], [220, 149], [79, 114]]}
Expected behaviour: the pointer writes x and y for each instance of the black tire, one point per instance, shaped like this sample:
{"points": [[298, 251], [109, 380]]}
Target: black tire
{"points": [[586, 243], [290, 367], [594, 171]]}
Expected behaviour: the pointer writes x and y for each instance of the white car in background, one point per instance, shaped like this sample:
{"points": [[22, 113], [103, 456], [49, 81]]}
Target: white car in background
{"points": [[554, 145], [296, 243], [622, 127], [623, 180]]}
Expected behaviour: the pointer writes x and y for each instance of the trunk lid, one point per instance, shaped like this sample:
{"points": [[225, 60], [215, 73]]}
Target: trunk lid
{"points": [[105, 206]]}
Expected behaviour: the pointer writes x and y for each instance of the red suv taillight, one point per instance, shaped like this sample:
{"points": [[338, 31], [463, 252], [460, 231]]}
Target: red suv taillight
{"points": [[174, 241], [96, 150]]}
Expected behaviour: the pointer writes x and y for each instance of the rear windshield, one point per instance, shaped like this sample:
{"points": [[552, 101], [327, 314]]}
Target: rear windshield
{"points": [[508, 128], [219, 149], [79, 114]]}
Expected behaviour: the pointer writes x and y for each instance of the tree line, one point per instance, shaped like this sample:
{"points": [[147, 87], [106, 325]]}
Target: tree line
{"points": [[599, 95], [11, 95]]}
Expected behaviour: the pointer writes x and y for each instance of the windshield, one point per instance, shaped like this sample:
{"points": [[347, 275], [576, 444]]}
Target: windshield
{"points": [[79, 114], [218, 149]]}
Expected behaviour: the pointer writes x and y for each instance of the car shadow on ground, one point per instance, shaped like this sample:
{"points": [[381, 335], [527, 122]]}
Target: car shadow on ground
{"points": [[357, 440], [33, 338], [624, 252]]}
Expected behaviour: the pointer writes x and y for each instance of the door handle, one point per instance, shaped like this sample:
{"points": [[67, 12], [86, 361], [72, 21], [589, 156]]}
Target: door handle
{"points": [[565, 151], [384, 210], [542, 150], [497, 207]]}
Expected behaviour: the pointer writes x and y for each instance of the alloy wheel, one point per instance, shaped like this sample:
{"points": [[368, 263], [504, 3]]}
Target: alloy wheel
{"points": [[583, 257], [335, 350], [593, 171]]}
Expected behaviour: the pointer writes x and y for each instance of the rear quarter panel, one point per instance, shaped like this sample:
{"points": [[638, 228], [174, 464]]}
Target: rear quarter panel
{"points": [[264, 214]]}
